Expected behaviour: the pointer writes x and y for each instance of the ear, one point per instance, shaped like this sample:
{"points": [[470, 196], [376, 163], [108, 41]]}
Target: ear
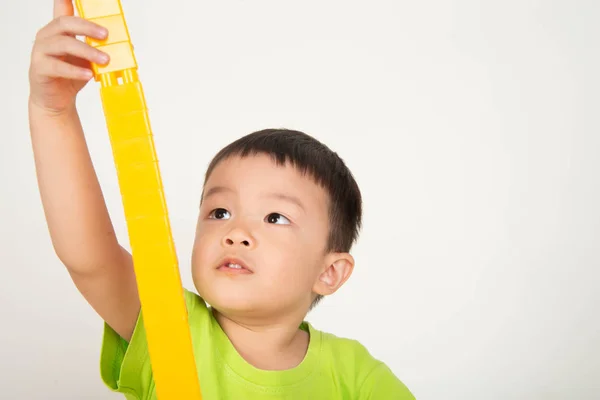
{"points": [[337, 270]]}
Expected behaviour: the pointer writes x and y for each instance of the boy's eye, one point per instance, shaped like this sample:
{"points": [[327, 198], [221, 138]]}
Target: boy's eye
{"points": [[275, 218], [219, 213]]}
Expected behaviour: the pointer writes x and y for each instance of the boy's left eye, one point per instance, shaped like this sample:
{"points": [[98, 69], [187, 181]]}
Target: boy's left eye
{"points": [[275, 218]]}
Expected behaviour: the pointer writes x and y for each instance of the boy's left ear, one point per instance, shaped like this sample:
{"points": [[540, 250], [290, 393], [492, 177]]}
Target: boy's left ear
{"points": [[338, 268]]}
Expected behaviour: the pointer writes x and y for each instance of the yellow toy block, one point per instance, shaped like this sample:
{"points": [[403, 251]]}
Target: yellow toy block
{"points": [[109, 14], [155, 260]]}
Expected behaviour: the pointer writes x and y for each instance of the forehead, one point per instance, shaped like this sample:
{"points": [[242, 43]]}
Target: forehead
{"points": [[260, 173]]}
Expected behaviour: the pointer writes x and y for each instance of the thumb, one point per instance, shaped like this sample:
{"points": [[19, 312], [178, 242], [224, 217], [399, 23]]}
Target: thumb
{"points": [[63, 8]]}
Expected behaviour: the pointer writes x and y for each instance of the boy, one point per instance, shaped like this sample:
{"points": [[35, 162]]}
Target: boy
{"points": [[279, 213]]}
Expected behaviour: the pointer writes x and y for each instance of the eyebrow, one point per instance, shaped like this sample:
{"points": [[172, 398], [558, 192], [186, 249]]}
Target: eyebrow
{"points": [[275, 195], [215, 190], [288, 198]]}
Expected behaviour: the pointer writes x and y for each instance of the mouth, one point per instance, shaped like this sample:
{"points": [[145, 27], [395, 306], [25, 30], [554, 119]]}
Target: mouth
{"points": [[234, 266]]}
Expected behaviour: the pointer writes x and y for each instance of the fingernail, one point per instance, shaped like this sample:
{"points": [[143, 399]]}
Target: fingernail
{"points": [[102, 59], [103, 32]]}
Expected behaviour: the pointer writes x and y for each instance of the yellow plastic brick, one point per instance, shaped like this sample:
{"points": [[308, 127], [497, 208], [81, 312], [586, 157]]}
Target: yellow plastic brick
{"points": [[117, 45], [153, 250], [117, 30], [121, 58], [89, 9]]}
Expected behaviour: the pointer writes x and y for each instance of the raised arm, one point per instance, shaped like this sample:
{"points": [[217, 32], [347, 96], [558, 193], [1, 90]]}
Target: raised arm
{"points": [[78, 221]]}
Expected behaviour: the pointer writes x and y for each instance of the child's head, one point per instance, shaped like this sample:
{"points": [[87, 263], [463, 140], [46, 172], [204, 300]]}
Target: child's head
{"points": [[286, 209]]}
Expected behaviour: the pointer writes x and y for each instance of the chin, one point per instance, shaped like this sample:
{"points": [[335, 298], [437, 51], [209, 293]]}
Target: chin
{"points": [[232, 304], [227, 300]]}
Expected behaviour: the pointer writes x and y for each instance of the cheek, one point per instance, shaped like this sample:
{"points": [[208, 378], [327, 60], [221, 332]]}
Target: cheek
{"points": [[293, 258], [205, 246]]}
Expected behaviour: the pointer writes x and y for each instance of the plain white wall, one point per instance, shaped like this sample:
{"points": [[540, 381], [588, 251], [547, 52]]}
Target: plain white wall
{"points": [[472, 128]]}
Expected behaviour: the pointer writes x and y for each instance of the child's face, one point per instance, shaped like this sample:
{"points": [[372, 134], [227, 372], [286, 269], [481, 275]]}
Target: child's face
{"points": [[274, 222]]}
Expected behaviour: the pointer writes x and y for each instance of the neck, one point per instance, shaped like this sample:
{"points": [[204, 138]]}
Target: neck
{"points": [[269, 346]]}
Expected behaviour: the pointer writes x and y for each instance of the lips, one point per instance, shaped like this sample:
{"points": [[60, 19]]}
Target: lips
{"points": [[234, 265]]}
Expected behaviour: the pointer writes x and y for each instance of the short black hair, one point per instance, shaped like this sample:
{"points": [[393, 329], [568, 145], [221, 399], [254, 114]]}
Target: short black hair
{"points": [[314, 158]]}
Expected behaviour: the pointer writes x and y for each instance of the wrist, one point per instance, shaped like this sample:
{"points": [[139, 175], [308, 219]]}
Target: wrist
{"points": [[39, 110]]}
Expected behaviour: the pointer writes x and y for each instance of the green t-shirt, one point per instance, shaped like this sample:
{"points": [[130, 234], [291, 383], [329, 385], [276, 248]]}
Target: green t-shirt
{"points": [[333, 368]]}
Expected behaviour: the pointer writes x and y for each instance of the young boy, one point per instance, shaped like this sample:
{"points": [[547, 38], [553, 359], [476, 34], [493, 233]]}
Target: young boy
{"points": [[279, 213]]}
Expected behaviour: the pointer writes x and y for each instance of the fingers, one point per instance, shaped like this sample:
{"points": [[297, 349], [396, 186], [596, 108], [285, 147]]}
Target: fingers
{"points": [[63, 8], [57, 52], [74, 26], [56, 68], [68, 46]]}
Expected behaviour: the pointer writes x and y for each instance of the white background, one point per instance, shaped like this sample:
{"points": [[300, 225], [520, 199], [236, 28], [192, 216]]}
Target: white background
{"points": [[471, 126]]}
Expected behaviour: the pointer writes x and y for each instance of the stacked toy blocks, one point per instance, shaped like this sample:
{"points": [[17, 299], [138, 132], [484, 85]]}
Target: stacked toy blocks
{"points": [[155, 260]]}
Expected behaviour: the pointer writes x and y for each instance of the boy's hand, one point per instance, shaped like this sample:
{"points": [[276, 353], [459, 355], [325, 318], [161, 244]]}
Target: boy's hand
{"points": [[60, 63]]}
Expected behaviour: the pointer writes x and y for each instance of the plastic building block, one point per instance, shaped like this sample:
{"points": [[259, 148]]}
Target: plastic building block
{"points": [[155, 260]]}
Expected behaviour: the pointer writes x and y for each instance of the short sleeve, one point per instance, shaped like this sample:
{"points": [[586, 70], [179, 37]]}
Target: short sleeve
{"points": [[382, 384], [125, 367]]}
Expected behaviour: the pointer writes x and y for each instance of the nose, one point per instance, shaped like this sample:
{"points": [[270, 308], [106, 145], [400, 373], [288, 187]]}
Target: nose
{"points": [[238, 236]]}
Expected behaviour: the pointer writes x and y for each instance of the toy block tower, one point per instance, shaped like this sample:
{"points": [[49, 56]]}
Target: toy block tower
{"points": [[155, 260]]}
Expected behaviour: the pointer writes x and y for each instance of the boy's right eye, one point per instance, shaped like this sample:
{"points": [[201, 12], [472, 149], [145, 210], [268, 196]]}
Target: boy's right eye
{"points": [[219, 213]]}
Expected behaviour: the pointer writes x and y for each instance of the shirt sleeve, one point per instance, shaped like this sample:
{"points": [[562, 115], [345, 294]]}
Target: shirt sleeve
{"points": [[382, 384], [125, 367]]}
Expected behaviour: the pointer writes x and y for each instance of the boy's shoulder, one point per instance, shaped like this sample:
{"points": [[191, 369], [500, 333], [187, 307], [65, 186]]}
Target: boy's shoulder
{"points": [[350, 359], [345, 353]]}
